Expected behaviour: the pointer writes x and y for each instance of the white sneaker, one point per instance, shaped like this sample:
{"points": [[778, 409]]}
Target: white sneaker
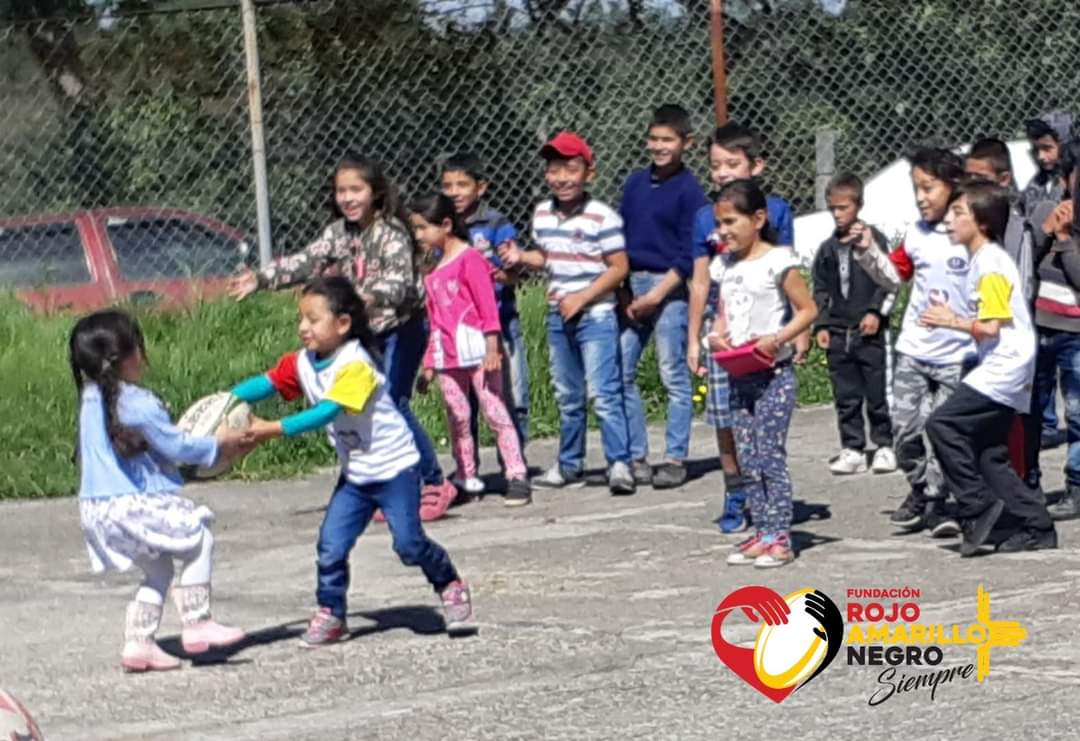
{"points": [[884, 461], [473, 485], [849, 461]]}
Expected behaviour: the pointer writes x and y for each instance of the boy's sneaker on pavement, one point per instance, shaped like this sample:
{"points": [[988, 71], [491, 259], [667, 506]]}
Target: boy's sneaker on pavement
{"points": [[643, 473], [556, 478], [669, 475], [977, 529], [909, 515], [324, 628], [938, 521], [778, 553], [884, 461], [1027, 539], [1069, 505], [518, 493], [747, 552], [457, 608], [847, 462], [620, 479]]}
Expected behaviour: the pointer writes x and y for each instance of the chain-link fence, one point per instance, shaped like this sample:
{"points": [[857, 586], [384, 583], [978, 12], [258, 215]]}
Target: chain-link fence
{"points": [[151, 109]]}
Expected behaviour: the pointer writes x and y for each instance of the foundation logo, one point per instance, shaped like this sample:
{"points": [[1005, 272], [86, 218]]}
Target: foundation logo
{"points": [[800, 635], [886, 629]]}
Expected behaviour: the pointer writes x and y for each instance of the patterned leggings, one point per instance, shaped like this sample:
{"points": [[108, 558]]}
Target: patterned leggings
{"points": [[454, 383], [761, 407]]}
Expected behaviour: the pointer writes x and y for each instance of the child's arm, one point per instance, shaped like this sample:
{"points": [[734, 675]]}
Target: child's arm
{"points": [[994, 293], [353, 387], [645, 306], [822, 299], [887, 270], [704, 223], [288, 270], [803, 314], [513, 256], [148, 416], [718, 337], [397, 277], [478, 283], [618, 266]]}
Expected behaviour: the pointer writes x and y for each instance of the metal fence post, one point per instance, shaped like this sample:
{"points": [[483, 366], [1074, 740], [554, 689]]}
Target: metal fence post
{"points": [[824, 164], [716, 38], [258, 143]]}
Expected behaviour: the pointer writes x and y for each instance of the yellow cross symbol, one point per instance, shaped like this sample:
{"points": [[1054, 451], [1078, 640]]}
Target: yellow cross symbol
{"points": [[999, 634]]}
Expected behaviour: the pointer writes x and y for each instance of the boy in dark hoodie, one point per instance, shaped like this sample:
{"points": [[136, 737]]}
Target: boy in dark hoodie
{"points": [[1047, 134], [852, 329]]}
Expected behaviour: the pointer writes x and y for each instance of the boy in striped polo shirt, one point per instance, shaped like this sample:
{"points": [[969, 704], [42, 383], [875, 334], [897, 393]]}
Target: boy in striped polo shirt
{"points": [[581, 248]]}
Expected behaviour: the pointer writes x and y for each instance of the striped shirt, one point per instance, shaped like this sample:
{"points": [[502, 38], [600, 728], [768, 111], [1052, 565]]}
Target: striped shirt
{"points": [[575, 247]]}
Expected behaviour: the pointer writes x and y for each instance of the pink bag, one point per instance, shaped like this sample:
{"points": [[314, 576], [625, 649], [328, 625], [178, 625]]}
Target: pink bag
{"points": [[744, 360]]}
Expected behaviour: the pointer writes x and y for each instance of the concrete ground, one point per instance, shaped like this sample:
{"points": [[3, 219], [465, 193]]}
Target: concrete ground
{"points": [[595, 621]]}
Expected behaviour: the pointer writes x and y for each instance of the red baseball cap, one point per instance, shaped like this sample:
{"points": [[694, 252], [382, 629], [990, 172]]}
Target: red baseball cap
{"points": [[567, 144]]}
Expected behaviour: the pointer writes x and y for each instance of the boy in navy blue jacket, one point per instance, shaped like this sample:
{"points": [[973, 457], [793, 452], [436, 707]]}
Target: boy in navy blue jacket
{"points": [[658, 206]]}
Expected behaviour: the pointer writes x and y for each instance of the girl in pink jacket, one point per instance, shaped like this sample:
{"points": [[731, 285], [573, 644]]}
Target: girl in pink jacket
{"points": [[463, 345]]}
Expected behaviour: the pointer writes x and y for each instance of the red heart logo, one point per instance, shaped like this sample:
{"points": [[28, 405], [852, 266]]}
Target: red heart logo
{"points": [[770, 605]]}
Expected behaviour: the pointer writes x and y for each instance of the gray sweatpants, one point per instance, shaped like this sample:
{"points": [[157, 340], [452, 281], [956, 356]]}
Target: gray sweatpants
{"points": [[918, 389]]}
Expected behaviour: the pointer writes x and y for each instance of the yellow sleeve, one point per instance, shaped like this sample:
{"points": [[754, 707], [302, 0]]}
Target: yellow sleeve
{"points": [[994, 294], [354, 386]]}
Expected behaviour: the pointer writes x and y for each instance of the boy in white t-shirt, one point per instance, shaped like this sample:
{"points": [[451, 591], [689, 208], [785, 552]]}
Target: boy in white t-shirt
{"points": [[970, 430]]}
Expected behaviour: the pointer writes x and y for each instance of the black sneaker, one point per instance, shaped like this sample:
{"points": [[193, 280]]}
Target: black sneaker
{"points": [[669, 476], [642, 471], [518, 493], [977, 529], [939, 522], [909, 515], [1027, 539]]}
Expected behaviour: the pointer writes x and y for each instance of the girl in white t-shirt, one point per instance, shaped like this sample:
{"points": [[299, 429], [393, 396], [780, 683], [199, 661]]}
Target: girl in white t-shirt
{"points": [[758, 282], [970, 431], [347, 394]]}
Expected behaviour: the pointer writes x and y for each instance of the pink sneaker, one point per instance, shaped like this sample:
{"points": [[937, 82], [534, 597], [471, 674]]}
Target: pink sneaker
{"points": [[324, 628], [435, 500], [778, 553], [457, 606], [146, 656], [746, 552]]}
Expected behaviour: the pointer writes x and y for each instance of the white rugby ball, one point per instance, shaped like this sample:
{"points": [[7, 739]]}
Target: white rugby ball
{"points": [[787, 654], [15, 721], [208, 415]]}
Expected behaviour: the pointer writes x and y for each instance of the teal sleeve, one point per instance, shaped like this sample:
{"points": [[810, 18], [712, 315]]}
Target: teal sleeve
{"points": [[254, 389], [311, 419]]}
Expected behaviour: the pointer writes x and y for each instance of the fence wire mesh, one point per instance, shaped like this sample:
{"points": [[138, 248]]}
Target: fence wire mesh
{"points": [[150, 110]]}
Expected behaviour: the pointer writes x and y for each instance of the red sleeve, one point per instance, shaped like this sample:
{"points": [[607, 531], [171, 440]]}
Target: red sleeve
{"points": [[902, 262], [285, 377]]}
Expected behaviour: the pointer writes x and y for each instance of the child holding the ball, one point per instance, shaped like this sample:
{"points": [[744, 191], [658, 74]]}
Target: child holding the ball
{"points": [[348, 393], [128, 452]]}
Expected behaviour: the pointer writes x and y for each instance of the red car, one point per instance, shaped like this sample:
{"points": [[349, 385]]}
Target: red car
{"points": [[89, 259]]}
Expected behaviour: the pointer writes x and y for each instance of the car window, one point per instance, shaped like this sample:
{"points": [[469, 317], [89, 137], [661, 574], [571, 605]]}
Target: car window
{"points": [[42, 255], [169, 248]]}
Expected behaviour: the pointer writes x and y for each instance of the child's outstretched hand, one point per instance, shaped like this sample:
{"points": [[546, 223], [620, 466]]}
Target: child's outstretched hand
{"points": [[492, 360], [938, 315], [243, 285], [263, 430], [423, 381], [235, 443]]}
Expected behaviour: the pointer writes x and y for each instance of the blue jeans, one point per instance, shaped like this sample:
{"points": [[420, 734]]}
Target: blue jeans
{"points": [[515, 383], [585, 366], [403, 350], [350, 510], [1059, 354], [669, 322]]}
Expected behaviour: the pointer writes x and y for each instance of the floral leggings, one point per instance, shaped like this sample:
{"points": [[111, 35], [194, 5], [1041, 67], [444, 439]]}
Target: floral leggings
{"points": [[761, 407], [454, 383]]}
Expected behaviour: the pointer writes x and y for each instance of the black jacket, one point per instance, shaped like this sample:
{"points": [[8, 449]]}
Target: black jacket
{"points": [[864, 295]]}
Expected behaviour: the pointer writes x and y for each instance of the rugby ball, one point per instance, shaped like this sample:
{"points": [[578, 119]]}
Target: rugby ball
{"points": [[785, 655], [208, 415], [15, 721]]}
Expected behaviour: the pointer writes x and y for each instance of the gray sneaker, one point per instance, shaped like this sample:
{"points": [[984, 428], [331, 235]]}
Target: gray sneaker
{"points": [[1068, 507], [669, 476], [620, 479], [324, 628], [556, 478], [643, 473]]}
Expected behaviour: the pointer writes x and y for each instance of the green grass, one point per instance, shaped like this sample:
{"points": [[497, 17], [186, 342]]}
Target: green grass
{"points": [[211, 347]]}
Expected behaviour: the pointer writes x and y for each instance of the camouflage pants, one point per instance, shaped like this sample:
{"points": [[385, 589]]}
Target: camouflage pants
{"points": [[918, 389]]}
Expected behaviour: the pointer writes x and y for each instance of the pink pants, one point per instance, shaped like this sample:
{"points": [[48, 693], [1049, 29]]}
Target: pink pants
{"points": [[454, 383]]}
